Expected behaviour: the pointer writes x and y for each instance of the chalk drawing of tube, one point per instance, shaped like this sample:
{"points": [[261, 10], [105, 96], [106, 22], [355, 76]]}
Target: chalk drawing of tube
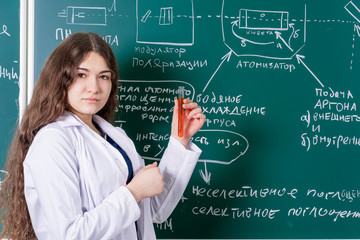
{"points": [[165, 22], [353, 9], [263, 20], [86, 15]]}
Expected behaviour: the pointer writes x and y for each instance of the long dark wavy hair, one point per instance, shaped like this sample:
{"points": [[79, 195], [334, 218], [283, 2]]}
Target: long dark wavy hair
{"points": [[49, 100]]}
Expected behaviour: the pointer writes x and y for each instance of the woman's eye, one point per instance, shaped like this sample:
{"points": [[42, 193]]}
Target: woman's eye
{"points": [[105, 77], [81, 75]]}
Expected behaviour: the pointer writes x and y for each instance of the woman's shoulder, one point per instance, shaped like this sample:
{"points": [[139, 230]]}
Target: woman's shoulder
{"points": [[64, 124], [56, 129], [51, 135], [51, 140], [56, 134]]}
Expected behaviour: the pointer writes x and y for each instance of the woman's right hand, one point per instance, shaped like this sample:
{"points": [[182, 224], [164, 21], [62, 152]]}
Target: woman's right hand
{"points": [[148, 182]]}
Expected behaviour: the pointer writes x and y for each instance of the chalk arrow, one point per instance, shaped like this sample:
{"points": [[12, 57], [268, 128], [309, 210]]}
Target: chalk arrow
{"points": [[205, 176], [278, 36], [300, 60], [235, 23], [225, 57], [291, 25]]}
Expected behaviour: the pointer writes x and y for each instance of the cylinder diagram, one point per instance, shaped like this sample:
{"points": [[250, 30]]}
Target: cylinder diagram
{"points": [[269, 32]]}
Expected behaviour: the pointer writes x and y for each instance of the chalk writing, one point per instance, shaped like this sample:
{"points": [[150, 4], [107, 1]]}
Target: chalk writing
{"points": [[329, 141], [323, 212], [166, 65], [61, 34], [213, 98], [319, 92], [230, 106], [331, 106], [343, 195], [167, 225], [293, 194], [266, 65], [10, 74], [4, 31], [160, 50], [236, 213], [243, 192]]}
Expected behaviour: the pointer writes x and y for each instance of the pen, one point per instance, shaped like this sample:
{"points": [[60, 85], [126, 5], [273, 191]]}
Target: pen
{"points": [[181, 112]]}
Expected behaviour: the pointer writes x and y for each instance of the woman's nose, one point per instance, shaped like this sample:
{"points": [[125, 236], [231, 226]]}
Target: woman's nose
{"points": [[93, 84]]}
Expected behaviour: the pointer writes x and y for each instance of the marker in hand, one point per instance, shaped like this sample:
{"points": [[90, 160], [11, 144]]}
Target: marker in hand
{"points": [[181, 112]]}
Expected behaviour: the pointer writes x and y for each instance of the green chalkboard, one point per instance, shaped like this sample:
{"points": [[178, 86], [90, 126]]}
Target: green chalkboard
{"points": [[279, 83], [9, 73]]}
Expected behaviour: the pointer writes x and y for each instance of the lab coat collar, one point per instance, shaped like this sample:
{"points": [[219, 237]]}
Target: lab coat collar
{"points": [[68, 119]]}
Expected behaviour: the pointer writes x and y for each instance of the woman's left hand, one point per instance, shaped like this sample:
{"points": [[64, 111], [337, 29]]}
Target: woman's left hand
{"points": [[194, 119]]}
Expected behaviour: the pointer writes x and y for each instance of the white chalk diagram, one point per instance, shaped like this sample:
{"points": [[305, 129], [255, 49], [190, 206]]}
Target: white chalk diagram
{"points": [[235, 35], [261, 33], [353, 10], [246, 32], [84, 15], [172, 21]]}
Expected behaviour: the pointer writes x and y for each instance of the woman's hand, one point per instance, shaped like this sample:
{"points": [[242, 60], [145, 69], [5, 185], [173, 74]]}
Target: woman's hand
{"points": [[148, 182], [194, 119]]}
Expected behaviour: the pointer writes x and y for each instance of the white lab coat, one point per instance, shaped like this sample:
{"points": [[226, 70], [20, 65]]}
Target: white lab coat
{"points": [[75, 183]]}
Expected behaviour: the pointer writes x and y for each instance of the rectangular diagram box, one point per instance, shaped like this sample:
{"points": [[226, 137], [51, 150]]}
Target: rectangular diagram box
{"points": [[353, 9], [165, 22], [263, 20], [86, 15]]}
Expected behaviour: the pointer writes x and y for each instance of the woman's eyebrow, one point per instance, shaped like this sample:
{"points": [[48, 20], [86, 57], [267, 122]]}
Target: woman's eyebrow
{"points": [[87, 70], [106, 71], [84, 69]]}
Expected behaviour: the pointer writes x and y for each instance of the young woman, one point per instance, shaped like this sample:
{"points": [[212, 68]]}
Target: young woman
{"points": [[72, 175]]}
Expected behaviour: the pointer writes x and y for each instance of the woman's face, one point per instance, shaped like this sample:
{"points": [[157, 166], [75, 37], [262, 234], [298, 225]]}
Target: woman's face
{"points": [[91, 88]]}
